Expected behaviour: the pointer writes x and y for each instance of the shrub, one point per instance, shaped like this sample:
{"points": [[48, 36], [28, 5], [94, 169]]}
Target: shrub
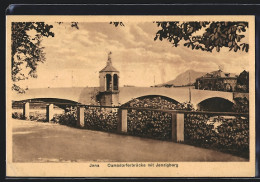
{"points": [[241, 105], [151, 124], [228, 134], [37, 116], [17, 115], [68, 118], [158, 102], [101, 119]]}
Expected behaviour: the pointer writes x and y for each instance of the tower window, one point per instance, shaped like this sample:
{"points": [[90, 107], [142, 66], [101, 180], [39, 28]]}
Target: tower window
{"points": [[108, 82], [115, 84]]}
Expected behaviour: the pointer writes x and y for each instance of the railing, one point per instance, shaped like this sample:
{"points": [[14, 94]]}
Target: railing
{"points": [[177, 117], [226, 131]]}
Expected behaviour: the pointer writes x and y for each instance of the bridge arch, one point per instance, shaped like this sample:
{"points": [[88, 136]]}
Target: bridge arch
{"points": [[153, 100], [216, 104], [61, 103]]}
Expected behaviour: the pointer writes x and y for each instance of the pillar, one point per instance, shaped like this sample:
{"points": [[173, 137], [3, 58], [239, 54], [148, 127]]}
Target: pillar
{"points": [[49, 112], [26, 110], [80, 116], [122, 121], [180, 127], [177, 127]]}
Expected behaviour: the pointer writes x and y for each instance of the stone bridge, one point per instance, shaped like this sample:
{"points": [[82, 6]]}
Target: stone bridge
{"points": [[57, 96], [87, 95], [179, 94]]}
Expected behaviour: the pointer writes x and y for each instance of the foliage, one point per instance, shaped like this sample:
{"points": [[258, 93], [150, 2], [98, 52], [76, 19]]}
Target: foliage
{"points": [[159, 102], [221, 133], [117, 23], [68, 118], [17, 115], [243, 81], [216, 34], [151, 124], [35, 116], [241, 105], [101, 119], [26, 51]]}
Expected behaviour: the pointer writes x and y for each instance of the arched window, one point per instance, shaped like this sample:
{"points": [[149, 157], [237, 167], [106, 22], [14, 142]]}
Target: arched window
{"points": [[115, 84], [108, 82]]}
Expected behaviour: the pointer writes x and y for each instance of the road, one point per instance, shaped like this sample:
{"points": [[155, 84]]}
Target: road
{"points": [[46, 142]]}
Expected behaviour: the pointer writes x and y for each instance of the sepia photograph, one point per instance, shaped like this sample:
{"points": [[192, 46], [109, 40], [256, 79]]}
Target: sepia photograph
{"points": [[170, 96]]}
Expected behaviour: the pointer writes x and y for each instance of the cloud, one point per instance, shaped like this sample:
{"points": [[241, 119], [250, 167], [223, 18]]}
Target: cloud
{"points": [[135, 54]]}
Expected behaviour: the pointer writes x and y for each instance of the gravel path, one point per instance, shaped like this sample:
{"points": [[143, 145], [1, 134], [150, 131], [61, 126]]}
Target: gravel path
{"points": [[45, 142]]}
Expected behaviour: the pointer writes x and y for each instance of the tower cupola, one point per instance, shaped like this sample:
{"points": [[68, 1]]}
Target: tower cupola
{"points": [[109, 77]]}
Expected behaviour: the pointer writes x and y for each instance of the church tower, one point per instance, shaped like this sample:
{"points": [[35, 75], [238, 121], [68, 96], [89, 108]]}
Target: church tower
{"points": [[109, 84]]}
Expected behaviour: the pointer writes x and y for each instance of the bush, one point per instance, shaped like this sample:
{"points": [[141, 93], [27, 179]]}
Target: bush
{"points": [[158, 102], [101, 119], [68, 118], [241, 105], [17, 115], [151, 124], [228, 134], [37, 116]]}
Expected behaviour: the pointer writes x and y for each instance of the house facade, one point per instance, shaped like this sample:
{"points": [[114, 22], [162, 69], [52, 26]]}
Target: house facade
{"points": [[218, 81]]}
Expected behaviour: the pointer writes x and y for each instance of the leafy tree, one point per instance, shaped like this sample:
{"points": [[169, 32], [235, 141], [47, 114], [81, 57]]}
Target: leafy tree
{"points": [[216, 34], [73, 24], [26, 51], [241, 105], [243, 81], [117, 23]]}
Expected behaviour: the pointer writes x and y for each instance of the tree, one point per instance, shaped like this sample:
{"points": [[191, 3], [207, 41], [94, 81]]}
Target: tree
{"points": [[216, 34], [26, 51], [117, 23], [243, 81]]}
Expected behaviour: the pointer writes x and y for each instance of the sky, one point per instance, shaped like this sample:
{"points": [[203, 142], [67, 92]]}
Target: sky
{"points": [[74, 57]]}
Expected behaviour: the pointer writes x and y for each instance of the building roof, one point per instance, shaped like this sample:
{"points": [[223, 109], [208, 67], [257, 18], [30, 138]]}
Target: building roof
{"points": [[109, 68], [219, 74]]}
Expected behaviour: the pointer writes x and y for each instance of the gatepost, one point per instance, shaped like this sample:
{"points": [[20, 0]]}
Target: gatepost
{"points": [[80, 116], [122, 121], [26, 110], [177, 127], [49, 112]]}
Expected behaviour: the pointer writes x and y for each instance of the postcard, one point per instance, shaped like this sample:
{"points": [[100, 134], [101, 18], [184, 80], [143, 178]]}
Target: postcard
{"points": [[130, 96]]}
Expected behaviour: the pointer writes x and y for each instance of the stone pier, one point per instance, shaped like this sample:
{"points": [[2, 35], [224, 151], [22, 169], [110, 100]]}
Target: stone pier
{"points": [[177, 127], [49, 112], [122, 121], [26, 110], [80, 116]]}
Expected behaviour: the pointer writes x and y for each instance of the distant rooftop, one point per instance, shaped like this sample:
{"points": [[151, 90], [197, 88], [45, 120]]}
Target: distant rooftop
{"points": [[219, 74]]}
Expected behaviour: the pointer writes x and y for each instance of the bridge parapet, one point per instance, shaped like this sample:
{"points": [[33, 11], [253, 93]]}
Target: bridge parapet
{"points": [[88, 95], [198, 96], [179, 94]]}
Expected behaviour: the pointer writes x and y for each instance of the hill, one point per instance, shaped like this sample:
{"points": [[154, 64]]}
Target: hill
{"points": [[183, 78]]}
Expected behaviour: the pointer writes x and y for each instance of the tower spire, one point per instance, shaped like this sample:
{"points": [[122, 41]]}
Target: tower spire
{"points": [[109, 61]]}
